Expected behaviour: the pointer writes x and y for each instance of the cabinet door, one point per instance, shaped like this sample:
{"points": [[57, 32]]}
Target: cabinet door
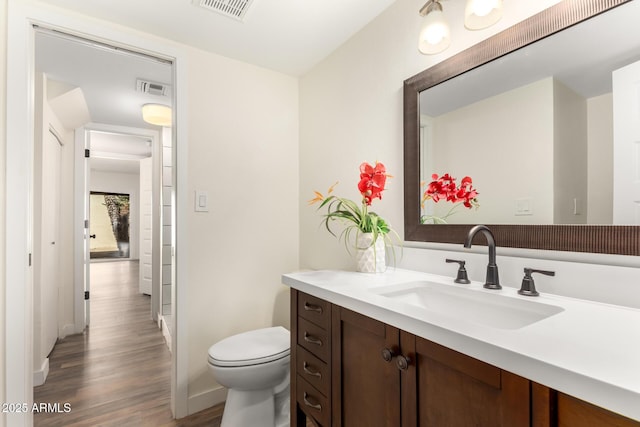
{"points": [[366, 388], [573, 412], [456, 390]]}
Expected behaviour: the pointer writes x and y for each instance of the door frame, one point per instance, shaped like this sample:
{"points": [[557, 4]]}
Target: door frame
{"points": [[81, 135], [21, 17]]}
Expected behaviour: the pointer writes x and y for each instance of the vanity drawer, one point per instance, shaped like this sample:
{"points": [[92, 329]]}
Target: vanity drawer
{"points": [[312, 402], [313, 338], [314, 370], [314, 310]]}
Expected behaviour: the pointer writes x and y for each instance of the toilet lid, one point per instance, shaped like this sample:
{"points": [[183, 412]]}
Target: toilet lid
{"points": [[251, 348]]}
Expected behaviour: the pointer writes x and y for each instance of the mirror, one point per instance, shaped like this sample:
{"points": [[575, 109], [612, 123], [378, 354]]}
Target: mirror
{"points": [[528, 115]]}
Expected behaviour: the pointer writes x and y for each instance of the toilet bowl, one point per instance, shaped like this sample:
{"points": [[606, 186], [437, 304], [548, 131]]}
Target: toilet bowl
{"points": [[254, 367]]}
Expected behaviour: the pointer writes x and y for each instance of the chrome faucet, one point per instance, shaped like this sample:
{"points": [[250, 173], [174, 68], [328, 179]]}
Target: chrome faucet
{"points": [[492, 281]]}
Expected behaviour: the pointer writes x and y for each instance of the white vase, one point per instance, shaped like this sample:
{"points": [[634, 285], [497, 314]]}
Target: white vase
{"points": [[370, 258]]}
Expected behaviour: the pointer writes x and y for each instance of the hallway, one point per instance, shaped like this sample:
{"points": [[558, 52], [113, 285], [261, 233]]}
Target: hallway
{"points": [[117, 373]]}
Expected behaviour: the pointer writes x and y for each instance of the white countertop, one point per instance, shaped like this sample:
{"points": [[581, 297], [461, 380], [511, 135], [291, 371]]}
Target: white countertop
{"points": [[590, 350]]}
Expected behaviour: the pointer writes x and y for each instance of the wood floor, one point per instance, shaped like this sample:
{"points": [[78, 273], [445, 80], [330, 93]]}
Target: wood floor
{"points": [[117, 373]]}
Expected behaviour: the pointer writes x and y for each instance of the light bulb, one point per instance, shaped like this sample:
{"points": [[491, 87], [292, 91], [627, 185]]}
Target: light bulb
{"points": [[483, 7], [479, 14], [434, 33]]}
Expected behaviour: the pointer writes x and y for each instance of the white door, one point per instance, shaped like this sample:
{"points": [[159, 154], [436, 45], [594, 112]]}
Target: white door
{"points": [[626, 144], [50, 272], [146, 225], [86, 166]]}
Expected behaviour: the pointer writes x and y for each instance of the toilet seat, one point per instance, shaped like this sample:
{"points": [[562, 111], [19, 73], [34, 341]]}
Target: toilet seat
{"points": [[251, 348]]}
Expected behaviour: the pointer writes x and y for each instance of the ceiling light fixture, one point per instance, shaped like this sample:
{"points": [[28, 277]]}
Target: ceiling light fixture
{"points": [[157, 114], [434, 32], [479, 14]]}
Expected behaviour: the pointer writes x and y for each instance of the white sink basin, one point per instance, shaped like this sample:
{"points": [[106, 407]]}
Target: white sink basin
{"points": [[485, 307]]}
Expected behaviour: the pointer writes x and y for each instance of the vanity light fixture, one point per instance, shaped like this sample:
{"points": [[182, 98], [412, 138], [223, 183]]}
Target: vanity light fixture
{"points": [[434, 32], [479, 14], [157, 114]]}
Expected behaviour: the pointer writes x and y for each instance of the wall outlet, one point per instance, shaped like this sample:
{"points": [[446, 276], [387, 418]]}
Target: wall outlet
{"points": [[524, 206]]}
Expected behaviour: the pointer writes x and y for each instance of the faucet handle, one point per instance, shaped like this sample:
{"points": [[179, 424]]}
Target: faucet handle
{"points": [[528, 287], [462, 272]]}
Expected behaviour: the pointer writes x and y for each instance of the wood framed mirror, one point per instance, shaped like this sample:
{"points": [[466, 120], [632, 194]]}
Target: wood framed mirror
{"points": [[457, 73]]}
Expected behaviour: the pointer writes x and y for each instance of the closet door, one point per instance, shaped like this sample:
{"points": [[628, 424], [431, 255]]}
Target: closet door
{"points": [[50, 241]]}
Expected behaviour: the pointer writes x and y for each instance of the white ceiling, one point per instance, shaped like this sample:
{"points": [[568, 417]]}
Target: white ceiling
{"points": [[290, 36]]}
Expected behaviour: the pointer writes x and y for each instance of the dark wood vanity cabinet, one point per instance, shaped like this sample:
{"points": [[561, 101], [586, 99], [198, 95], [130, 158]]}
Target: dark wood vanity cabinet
{"points": [[388, 377], [368, 373], [367, 387], [310, 360]]}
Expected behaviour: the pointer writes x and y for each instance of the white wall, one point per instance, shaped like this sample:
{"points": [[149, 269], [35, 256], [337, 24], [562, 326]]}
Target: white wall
{"points": [[3, 144], [600, 159], [243, 150], [351, 111], [123, 183]]}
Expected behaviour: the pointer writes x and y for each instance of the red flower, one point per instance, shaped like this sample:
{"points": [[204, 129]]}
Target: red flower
{"points": [[445, 188], [372, 181]]}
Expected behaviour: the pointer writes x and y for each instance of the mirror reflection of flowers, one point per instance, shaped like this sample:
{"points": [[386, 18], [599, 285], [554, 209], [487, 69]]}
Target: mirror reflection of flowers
{"points": [[445, 188], [357, 216]]}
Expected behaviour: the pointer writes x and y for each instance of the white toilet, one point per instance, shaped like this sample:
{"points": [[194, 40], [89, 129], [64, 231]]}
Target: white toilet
{"points": [[254, 366]]}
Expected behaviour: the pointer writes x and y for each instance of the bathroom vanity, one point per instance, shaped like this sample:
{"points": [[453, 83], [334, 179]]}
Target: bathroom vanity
{"points": [[406, 348]]}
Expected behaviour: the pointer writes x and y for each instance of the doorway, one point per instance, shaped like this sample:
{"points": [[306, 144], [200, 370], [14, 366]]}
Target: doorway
{"points": [[109, 225], [110, 146], [19, 273]]}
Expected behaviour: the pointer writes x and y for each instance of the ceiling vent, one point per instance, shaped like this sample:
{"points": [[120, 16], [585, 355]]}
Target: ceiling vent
{"points": [[152, 88], [232, 8]]}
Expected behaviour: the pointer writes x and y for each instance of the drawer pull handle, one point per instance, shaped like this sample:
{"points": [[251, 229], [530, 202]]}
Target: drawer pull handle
{"points": [[316, 406], [388, 354], [403, 362], [311, 339], [313, 373], [312, 307]]}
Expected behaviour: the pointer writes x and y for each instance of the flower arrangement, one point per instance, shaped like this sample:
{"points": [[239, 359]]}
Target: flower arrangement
{"points": [[445, 188], [357, 216]]}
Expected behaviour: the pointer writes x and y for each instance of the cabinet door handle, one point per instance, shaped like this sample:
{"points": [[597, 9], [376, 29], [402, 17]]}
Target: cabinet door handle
{"points": [[316, 406], [388, 354], [311, 339], [312, 307], [312, 372], [403, 362]]}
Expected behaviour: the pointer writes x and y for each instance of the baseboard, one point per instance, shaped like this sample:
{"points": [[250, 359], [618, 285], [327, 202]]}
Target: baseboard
{"points": [[68, 329], [206, 400], [40, 376], [165, 332]]}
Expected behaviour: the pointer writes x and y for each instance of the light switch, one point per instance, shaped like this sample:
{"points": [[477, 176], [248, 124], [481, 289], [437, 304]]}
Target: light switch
{"points": [[202, 201], [577, 206]]}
